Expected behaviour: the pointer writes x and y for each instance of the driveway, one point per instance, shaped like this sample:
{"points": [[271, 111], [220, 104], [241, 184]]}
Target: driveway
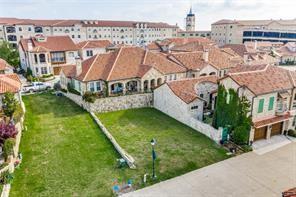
{"points": [[249, 175]]}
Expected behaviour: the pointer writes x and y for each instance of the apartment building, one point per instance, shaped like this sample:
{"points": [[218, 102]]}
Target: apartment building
{"points": [[273, 103], [239, 31], [194, 34], [117, 32], [47, 54]]}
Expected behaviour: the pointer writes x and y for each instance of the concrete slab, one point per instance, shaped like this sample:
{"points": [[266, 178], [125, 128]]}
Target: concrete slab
{"points": [[248, 175], [261, 147]]}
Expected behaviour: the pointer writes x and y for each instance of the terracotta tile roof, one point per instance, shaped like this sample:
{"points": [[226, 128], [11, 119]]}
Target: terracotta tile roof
{"points": [[240, 49], [286, 49], [185, 88], [125, 63], [290, 193], [271, 79], [90, 44], [4, 65], [9, 83], [255, 22], [181, 41], [52, 43], [86, 23], [162, 63], [191, 60], [219, 59], [189, 47], [69, 70], [271, 120], [241, 68]]}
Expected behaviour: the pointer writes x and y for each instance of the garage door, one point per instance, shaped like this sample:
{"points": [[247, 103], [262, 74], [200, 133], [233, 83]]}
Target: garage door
{"points": [[260, 133], [276, 129]]}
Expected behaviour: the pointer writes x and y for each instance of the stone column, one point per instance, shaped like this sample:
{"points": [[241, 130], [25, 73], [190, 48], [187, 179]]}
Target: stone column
{"points": [[109, 89], [142, 86], [123, 88], [149, 85], [268, 132]]}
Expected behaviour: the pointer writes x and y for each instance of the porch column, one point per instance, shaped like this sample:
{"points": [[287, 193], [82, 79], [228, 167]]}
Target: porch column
{"points": [[141, 86], [149, 85], [268, 132], [123, 88], [109, 89], [251, 137]]}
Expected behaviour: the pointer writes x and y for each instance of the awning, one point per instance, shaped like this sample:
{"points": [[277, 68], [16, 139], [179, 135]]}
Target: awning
{"points": [[284, 95], [272, 120]]}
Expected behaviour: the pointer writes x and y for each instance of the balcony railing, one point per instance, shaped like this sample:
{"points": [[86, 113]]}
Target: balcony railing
{"points": [[281, 108]]}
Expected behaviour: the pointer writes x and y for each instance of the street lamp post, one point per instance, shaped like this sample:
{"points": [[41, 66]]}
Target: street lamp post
{"points": [[153, 143]]}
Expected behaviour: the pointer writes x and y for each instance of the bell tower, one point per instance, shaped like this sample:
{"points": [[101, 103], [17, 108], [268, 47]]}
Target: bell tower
{"points": [[190, 21]]}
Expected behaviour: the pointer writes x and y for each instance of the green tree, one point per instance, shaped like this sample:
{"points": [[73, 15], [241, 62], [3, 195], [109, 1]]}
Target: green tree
{"points": [[10, 54], [9, 104]]}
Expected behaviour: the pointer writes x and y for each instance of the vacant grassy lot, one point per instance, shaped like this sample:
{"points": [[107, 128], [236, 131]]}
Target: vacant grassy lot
{"points": [[179, 148], [64, 152]]}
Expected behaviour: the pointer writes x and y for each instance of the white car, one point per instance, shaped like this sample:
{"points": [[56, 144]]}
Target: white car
{"points": [[36, 86]]}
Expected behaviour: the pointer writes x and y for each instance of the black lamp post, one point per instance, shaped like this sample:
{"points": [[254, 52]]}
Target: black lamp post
{"points": [[153, 143]]}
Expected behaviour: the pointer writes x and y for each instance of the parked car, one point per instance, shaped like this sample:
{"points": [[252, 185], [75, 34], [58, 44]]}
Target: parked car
{"points": [[36, 86]]}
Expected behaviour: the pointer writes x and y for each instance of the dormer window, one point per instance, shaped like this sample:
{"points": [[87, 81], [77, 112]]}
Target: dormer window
{"points": [[38, 29]]}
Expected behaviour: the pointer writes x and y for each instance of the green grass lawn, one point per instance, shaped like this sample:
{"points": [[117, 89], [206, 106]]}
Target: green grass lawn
{"points": [[64, 152], [179, 148]]}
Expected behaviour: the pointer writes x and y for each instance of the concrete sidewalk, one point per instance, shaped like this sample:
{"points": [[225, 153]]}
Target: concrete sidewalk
{"points": [[249, 175]]}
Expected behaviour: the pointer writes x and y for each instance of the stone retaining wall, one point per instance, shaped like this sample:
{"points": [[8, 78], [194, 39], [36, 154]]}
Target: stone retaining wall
{"points": [[129, 159], [113, 103]]}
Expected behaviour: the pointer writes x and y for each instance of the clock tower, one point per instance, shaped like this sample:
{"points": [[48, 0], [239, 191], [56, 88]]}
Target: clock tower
{"points": [[190, 21]]}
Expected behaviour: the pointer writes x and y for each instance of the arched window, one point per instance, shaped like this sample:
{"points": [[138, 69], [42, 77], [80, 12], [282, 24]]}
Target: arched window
{"points": [[38, 29], [212, 73], [204, 74], [42, 58]]}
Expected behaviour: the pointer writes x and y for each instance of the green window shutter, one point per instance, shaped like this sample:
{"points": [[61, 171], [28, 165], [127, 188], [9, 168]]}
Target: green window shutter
{"points": [[270, 105], [261, 104]]}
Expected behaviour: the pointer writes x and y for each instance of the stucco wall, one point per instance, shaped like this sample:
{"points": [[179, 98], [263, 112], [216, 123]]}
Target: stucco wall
{"points": [[167, 102]]}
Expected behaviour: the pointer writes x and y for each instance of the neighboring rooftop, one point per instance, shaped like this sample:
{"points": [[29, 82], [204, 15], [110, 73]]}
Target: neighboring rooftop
{"points": [[9, 83], [270, 78], [4, 65], [48, 43], [93, 44], [185, 88], [288, 49], [255, 22], [240, 49], [87, 23], [124, 63]]}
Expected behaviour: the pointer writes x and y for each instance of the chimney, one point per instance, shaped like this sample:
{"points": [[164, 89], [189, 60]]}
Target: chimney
{"points": [[246, 57], [78, 65], [205, 55], [30, 45], [255, 45]]}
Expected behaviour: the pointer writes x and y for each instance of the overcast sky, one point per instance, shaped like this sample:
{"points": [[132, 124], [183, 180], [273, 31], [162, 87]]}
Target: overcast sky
{"points": [[170, 11]]}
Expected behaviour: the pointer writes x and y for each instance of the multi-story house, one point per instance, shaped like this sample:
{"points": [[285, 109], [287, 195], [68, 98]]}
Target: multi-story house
{"points": [[286, 54], [125, 70], [240, 31], [90, 48], [271, 92], [47, 54], [117, 32]]}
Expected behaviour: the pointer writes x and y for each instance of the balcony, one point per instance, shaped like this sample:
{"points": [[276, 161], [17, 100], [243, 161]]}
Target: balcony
{"points": [[281, 108]]}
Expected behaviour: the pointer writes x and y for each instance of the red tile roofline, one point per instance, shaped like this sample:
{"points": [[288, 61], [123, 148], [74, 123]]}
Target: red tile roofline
{"points": [[90, 67], [108, 77]]}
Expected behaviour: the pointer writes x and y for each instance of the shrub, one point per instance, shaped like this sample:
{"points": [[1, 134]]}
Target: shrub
{"points": [[72, 90], [9, 104], [64, 90], [292, 132], [6, 177], [47, 75], [57, 86], [8, 147], [240, 135], [7, 130], [89, 97], [18, 113]]}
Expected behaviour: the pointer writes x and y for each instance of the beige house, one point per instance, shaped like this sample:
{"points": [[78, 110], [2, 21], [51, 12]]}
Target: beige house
{"points": [[271, 92], [186, 98], [46, 55], [287, 53], [90, 48], [123, 71]]}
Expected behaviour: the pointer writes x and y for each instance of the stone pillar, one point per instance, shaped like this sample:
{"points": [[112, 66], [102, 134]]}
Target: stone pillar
{"points": [[142, 86], [109, 89], [123, 88], [149, 85], [268, 135], [251, 137]]}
